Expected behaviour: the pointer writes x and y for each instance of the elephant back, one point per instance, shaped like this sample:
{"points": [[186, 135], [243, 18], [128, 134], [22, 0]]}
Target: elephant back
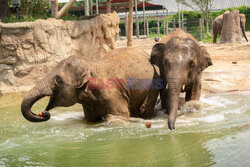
{"points": [[128, 62]]}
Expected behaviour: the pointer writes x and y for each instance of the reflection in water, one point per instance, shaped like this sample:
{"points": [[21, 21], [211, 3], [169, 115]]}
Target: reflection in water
{"points": [[216, 134]]}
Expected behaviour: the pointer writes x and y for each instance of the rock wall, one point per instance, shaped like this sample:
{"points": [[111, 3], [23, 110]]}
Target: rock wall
{"points": [[29, 50]]}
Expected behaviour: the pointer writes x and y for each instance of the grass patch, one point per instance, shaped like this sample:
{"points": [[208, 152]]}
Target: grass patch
{"points": [[205, 38], [153, 35]]}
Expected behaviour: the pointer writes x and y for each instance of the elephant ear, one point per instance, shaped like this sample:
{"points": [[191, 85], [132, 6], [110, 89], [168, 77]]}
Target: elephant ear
{"points": [[81, 77], [157, 54], [205, 59], [78, 71]]}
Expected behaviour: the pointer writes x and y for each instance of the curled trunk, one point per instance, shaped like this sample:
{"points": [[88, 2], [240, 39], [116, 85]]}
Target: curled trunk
{"points": [[38, 92]]}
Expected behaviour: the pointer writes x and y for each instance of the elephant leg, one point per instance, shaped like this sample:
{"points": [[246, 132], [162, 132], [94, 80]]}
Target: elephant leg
{"points": [[194, 90], [115, 119], [117, 112], [147, 107], [116, 108], [197, 92], [91, 116], [215, 37], [163, 95]]}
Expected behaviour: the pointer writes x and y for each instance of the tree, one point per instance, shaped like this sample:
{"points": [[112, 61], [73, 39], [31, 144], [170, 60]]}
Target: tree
{"points": [[203, 5], [4, 9]]}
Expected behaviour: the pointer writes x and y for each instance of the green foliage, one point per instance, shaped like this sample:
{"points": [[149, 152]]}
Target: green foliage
{"points": [[34, 8], [209, 39], [195, 14], [12, 19], [243, 9], [69, 16], [189, 15]]}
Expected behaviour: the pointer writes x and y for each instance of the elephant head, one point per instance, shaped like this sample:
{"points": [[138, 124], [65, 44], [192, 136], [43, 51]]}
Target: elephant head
{"points": [[63, 84], [181, 61], [242, 25]]}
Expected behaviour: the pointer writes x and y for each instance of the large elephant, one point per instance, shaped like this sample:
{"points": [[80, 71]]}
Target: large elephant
{"points": [[123, 84], [218, 23], [181, 61]]}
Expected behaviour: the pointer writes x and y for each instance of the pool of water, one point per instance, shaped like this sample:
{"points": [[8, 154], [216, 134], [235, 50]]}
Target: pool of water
{"points": [[218, 134]]}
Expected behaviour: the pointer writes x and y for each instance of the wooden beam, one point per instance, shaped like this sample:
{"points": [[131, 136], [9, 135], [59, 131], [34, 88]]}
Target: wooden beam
{"points": [[65, 8]]}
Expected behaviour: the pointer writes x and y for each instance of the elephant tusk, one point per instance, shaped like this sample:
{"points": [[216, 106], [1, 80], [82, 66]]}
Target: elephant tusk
{"points": [[166, 86], [183, 87]]}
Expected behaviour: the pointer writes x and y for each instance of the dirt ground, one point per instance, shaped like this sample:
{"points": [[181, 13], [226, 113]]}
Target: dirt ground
{"points": [[231, 65]]}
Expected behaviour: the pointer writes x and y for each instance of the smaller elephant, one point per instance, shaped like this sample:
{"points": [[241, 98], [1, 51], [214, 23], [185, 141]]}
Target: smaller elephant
{"points": [[218, 23], [123, 84], [181, 61]]}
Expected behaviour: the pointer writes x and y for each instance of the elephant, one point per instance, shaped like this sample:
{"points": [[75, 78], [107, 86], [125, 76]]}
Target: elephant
{"points": [[104, 88], [181, 61], [218, 23]]}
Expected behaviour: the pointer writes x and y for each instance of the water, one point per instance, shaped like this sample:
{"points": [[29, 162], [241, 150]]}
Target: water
{"points": [[218, 134]]}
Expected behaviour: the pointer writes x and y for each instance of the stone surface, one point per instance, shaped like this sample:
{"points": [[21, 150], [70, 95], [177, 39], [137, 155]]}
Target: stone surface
{"points": [[29, 50]]}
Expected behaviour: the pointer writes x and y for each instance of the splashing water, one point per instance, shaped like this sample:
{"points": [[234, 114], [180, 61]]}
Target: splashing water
{"points": [[216, 132]]}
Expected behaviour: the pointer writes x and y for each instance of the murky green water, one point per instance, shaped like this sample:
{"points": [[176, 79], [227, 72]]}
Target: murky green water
{"points": [[217, 135]]}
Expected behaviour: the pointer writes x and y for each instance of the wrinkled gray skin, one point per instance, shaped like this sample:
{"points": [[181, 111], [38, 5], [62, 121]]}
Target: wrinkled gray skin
{"points": [[68, 84], [218, 23], [181, 61]]}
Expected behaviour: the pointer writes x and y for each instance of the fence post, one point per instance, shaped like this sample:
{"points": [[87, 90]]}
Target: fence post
{"points": [[174, 25], [126, 25], [182, 20], [207, 27], [147, 27], [200, 21], [212, 22], [144, 19], [90, 7], [97, 8], [179, 16], [167, 27], [164, 24], [158, 26], [137, 21]]}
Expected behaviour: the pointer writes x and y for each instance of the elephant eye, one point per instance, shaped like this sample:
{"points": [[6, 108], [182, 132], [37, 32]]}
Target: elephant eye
{"points": [[166, 62], [59, 80], [191, 64]]}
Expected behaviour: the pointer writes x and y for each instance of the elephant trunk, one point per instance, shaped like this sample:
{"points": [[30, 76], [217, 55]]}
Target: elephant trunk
{"points": [[39, 91], [174, 88], [243, 31]]}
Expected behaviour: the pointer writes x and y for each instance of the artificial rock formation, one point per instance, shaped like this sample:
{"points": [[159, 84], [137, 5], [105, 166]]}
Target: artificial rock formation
{"points": [[29, 50], [231, 30]]}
